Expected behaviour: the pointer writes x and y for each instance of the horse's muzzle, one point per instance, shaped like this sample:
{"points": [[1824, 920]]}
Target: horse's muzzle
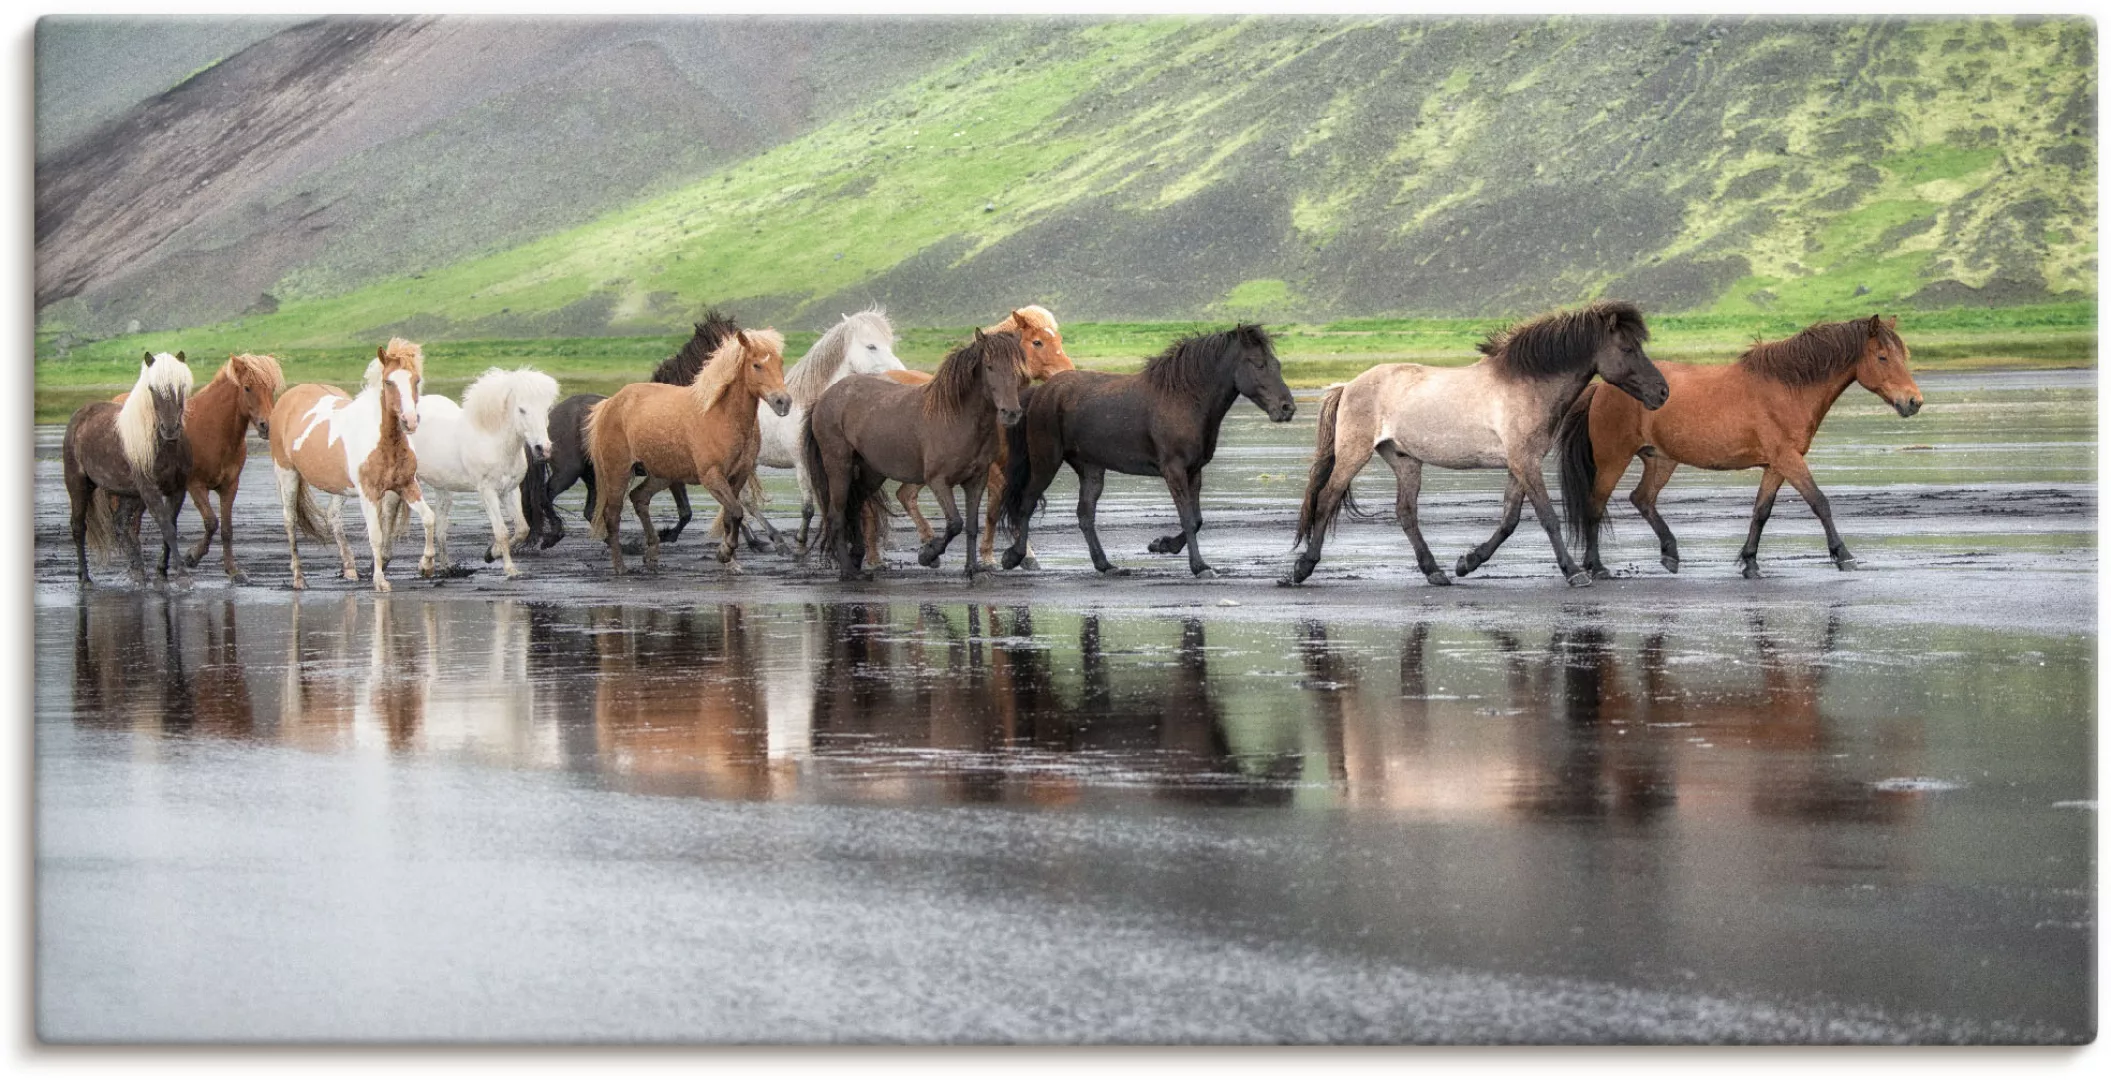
{"points": [[1282, 413], [538, 454], [1907, 406], [780, 403], [1010, 417], [263, 429]]}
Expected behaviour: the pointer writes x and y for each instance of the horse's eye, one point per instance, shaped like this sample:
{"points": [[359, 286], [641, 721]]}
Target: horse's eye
{"points": [[1037, 343], [872, 348]]}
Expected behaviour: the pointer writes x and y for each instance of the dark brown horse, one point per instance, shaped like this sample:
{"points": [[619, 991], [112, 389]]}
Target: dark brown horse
{"points": [[1761, 411], [138, 452], [569, 464], [1162, 421], [866, 430]]}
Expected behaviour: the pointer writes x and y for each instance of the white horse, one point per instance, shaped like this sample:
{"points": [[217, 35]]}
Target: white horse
{"points": [[484, 445], [861, 344]]}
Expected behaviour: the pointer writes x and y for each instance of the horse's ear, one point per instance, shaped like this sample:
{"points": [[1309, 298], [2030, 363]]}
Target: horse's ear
{"points": [[179, 357], [1019, 319], [980, 337], [1892, 324], [743, 336], [1876, 326], [381, 352], [148, 361]]}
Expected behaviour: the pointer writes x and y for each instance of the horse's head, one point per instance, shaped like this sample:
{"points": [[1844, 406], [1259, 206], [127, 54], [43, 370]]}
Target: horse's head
{"points": [[402, 379], [259, 381], [520, 405], [870, 349], [1004, 373], [1042, 342], [762, 368], [1882, 368], [1258, 374], [168, 379], [1621, 361]]}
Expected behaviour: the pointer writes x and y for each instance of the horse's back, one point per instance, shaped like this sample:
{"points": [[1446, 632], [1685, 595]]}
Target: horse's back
{"points": [[295, 417]]}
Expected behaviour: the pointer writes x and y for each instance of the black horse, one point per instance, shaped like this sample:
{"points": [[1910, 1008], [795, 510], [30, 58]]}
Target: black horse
{"points": [[1162, 420], [568, 463]]}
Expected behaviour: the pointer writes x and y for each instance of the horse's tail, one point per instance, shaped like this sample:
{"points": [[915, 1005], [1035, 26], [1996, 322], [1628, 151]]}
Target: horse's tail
{"points": [[817, 481], [101, 535], [589, 437], [307, 518], [1579, 468], [1015, 511], [534, 492], [1309, 522]]}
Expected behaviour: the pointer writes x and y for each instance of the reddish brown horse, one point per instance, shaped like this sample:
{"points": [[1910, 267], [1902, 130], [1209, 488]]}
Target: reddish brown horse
{"points": [[1761, 411], [217, 421], [137, 452], [867, 430]]}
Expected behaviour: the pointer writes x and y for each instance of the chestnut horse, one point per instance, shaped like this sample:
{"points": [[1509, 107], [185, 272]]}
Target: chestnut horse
{"points": [[217, 420], [138, 452], [1761, 411], [1160, 421], [1497, 413], [703, 433], [866, 430], [1043, 342], [324, 438]]}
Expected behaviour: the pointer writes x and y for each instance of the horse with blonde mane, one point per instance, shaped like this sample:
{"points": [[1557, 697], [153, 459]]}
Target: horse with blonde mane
{"points": [[485, 445], [139, 452], [703, 433], [217, 420], [324, 438]]}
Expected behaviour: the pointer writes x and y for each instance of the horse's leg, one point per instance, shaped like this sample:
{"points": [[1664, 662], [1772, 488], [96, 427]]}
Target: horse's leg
{"points": [[82, 491], [1607, 477], [610, 511], [1762, 508], [1656, 472], [433, 521], [936, 548], [336, 512], [200, 497], [289, 497], [751, 515], [1349, 459], [994, 493], [1793, 469], [730, 510], [129, 510], [443, 513], [681, 516], [377, 539], [641, 503], [1513, 507], [1091, 480], [516, 513], [1543, 508], [973, 488], [1407, 478], [906, 495], [165, 508], [227, 530], [1186, 485], [501, 536]]}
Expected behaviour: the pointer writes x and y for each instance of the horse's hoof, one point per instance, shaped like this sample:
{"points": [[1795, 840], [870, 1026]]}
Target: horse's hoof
{"points": [[351, 575], [1848, 564], [1031, 563], [1159, 547], [1581, 579], [668, 536], [299, 582], [1011, 560], [782, 550], [1750, 569], [1671, 563], [236, 577], [381, 585], [1205, 572], [549, 542], [1599, 573], [734, 567], [928, 555], [192, 558], [1439, 577], [1114, 571], [1464, 567]]}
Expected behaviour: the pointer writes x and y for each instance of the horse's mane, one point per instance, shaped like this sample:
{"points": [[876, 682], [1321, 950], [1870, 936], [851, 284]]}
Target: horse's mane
{"points": [[404, 354], [486, 401], [135, 418], [1562, 342], [245, 368], [1035, 316], [1818, 353], [812, 373], [958, 381], [682, 368], [1185, 366], [723, 368]]}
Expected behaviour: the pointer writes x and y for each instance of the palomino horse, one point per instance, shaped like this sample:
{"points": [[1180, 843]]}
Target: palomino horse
{"points": [[324, 438], [217, 420], [1498, 413], [1762, 410], [569, 463], [139, 452], [1162, 420], [867, 430], [703, 433], [485, 445]]}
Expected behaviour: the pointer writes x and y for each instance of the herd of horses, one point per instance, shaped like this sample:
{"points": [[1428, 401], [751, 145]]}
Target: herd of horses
{"points": [[986, 433]]}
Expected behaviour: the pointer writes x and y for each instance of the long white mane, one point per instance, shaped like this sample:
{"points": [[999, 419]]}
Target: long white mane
{"points": [[490, 400], [817, 370], [135, 419]]}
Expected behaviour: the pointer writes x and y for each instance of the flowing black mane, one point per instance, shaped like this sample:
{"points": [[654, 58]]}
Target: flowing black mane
{"points": [[681, 369], [1185, 367], [1563, 342], [1819, 353], [958, 383]]}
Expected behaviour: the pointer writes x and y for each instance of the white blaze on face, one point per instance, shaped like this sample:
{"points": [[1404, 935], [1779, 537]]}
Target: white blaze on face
{"points": [[406, 398]]}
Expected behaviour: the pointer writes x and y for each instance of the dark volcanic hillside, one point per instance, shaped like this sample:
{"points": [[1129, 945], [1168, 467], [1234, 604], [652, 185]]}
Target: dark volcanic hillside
{"points": [[475, 177]]}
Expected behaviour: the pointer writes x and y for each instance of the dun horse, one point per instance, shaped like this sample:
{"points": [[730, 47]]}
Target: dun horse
{"points": [[1498, 413], [485, 445], [1761, 411], [865, 431], [703, 433], [138, 452], [1043, 342], [217, 421], [324, 438], [1161, 421]]}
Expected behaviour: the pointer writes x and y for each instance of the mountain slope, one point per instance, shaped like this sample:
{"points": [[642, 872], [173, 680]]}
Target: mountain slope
{"points": [[1189, 167]]}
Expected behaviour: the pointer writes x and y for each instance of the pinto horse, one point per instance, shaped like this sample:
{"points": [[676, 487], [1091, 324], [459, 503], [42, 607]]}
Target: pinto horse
{"points": [[1761, 411], [324, 438], [866, 430], [1162, 420], [217, 420], [139, 452], [485, 445], [1497, 413], [702, 433]]}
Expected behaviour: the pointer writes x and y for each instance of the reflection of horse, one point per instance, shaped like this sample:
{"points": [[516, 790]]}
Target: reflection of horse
{"points": [[217, 421], [1761, 411], [1161, 421], [138, 452], [865, 431], [1498, 413], [703, 433], [326, 439], [485, 445], [676, 695]]}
